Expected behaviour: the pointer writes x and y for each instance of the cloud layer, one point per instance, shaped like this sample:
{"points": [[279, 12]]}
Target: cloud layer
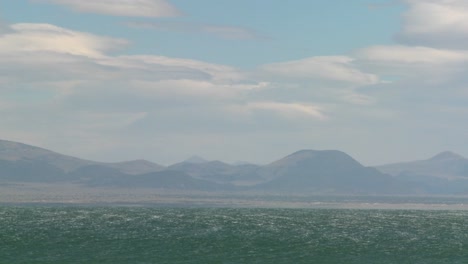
{"points": [[74, 86], [58, 85], [436, 23], [130, 8]]}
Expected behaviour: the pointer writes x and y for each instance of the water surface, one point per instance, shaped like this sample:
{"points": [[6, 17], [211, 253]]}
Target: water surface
{"points": [[239, 235]]}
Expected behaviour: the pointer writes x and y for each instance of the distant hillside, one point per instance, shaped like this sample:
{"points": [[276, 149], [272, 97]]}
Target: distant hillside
{"points": [[101, 176], [135, 166], [303, 172], [23, 163], [30, 171], [328, 171], [306, 161], [220, 172], [445, 165], [14, 151], [445, 173]]}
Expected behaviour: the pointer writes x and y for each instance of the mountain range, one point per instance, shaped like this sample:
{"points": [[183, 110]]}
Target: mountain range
{"points": [[302, 172], [444, 173]]}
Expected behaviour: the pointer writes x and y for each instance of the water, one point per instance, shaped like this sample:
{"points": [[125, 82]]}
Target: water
{"points": [[202, 235]]}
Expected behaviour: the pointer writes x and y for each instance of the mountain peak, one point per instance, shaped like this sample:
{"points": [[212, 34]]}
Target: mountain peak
{"points": [[447, 155], [308, 154], [313, 159], [18, 150]]}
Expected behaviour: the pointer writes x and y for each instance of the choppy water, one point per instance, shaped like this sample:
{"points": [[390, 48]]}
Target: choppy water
{"points": [[200, 235]]}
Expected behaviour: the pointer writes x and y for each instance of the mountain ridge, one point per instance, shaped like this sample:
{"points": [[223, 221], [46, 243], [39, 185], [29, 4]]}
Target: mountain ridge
{"points": [[13, 151], [326, 171], [305, 171], [446, 164]]}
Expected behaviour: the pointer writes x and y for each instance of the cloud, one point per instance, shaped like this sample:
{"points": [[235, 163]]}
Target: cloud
{"points": [[130, 8], [226, 32], [58, 91], [328, 80], [45, 68], [181, 90], [57, 84], [412, 55], [215, 72], [431, 51], [35, 38], [435, 23], [4, 27], [328, 68]]}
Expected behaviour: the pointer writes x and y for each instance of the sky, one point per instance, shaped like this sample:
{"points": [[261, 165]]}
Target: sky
{"points": [[246, 80]]}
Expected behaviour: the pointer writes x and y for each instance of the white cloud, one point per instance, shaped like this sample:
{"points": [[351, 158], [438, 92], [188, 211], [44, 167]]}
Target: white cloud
{"points": [[327, 80], [215, 72], [435, 16], [49, 38], [133, 8], [193, 89], [50, 74], [412, 54], [432, 46], [328, 68], [436, 23]]}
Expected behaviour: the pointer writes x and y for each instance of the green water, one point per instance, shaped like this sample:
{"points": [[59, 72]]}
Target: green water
{"points": [[201, 235]]}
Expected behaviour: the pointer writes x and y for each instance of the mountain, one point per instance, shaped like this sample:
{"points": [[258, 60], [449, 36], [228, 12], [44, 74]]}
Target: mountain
{"points": [[171, 180], [326, 172], [30, 171], [219, 172], [307, 161], [304, 172], [444, 173], [445, 165], [24, 163], [102, 176], [135, 167], [14, 151]]}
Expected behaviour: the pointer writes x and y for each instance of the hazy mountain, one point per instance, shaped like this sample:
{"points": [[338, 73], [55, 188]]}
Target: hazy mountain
{"points": [[135, 166], [100, 176], [30, 171], [219, 172], [96, 174], [445, 173], [446, 165], [15, 151], [309, 160], [175, 180], [328, 171], [306, 171], [23, 163]]}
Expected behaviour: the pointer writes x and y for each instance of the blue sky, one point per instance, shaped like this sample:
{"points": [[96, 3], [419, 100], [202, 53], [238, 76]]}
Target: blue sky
{"points": [[251, 80]]}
